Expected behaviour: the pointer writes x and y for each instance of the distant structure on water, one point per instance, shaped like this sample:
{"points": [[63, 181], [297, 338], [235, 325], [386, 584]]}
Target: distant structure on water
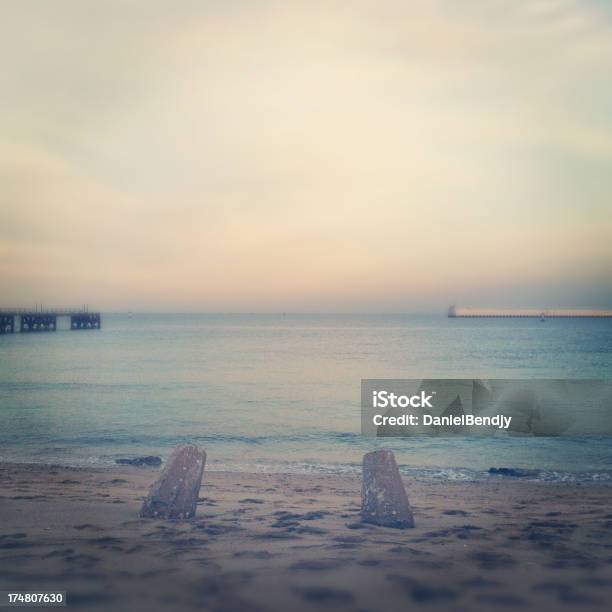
{"points": [[28, 320], [462, 312]]}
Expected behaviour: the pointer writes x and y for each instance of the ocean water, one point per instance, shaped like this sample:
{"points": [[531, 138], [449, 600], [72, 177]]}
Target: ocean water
{"points": [[281, 393]]}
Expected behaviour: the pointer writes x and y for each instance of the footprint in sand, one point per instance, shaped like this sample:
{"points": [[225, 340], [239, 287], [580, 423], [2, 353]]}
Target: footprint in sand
{"points": [[14, 540], [480, 583], [357, 526], [323, 594], [216, 529], [369, 562], [488, 560], [422, 592], [106, 542], [88, 527], [317, 565], [277, 535], [30, 497], [566, 593], [308, 530], [253, 554], [502, 599], [82, 560]]}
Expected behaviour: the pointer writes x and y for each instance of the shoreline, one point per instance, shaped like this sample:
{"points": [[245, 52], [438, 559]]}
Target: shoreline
{"points": [[277, 541], [542, 476]]}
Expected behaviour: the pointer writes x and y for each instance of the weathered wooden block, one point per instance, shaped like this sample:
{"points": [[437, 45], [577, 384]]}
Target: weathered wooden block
{"points": [[175, 494], [383, 497]]}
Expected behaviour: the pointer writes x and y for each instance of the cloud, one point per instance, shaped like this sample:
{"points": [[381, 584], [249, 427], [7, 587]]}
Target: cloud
{"points": [[310, 155]]}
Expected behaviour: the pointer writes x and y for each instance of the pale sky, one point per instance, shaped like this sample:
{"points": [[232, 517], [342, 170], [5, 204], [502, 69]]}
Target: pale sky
{"points": [[306, 156]]}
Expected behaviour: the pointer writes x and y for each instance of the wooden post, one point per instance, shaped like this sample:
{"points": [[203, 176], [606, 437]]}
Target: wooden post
{"points": [[383, 498], [175, 493]]}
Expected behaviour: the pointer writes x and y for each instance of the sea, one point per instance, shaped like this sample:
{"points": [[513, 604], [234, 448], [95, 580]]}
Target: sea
{"points": [[281, 392]]}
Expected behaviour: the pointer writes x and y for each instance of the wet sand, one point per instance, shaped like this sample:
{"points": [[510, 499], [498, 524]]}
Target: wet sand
{"points": [[288, 542]]}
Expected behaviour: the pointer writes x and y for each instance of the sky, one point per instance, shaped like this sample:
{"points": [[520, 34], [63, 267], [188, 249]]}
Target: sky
{"points": [[306, 156]]}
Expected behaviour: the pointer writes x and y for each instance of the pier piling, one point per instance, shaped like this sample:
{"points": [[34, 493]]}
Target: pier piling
{"points": [[7, 324], [29, 320], [461, 312]]}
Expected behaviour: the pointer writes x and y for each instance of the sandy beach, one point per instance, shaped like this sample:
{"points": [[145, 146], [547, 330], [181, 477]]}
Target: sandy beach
{"points": [[279, 542]]}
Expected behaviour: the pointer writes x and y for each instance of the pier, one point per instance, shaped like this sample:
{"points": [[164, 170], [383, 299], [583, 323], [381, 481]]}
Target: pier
{"points": [[28, 320], [461, 312]]}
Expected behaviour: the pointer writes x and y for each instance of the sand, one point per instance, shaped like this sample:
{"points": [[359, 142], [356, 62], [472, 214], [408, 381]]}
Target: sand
{"points": [[295, 542]]}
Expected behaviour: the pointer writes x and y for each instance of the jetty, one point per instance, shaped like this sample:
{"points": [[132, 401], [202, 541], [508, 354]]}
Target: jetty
{"points": [[27, 320], [462, 312]]}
